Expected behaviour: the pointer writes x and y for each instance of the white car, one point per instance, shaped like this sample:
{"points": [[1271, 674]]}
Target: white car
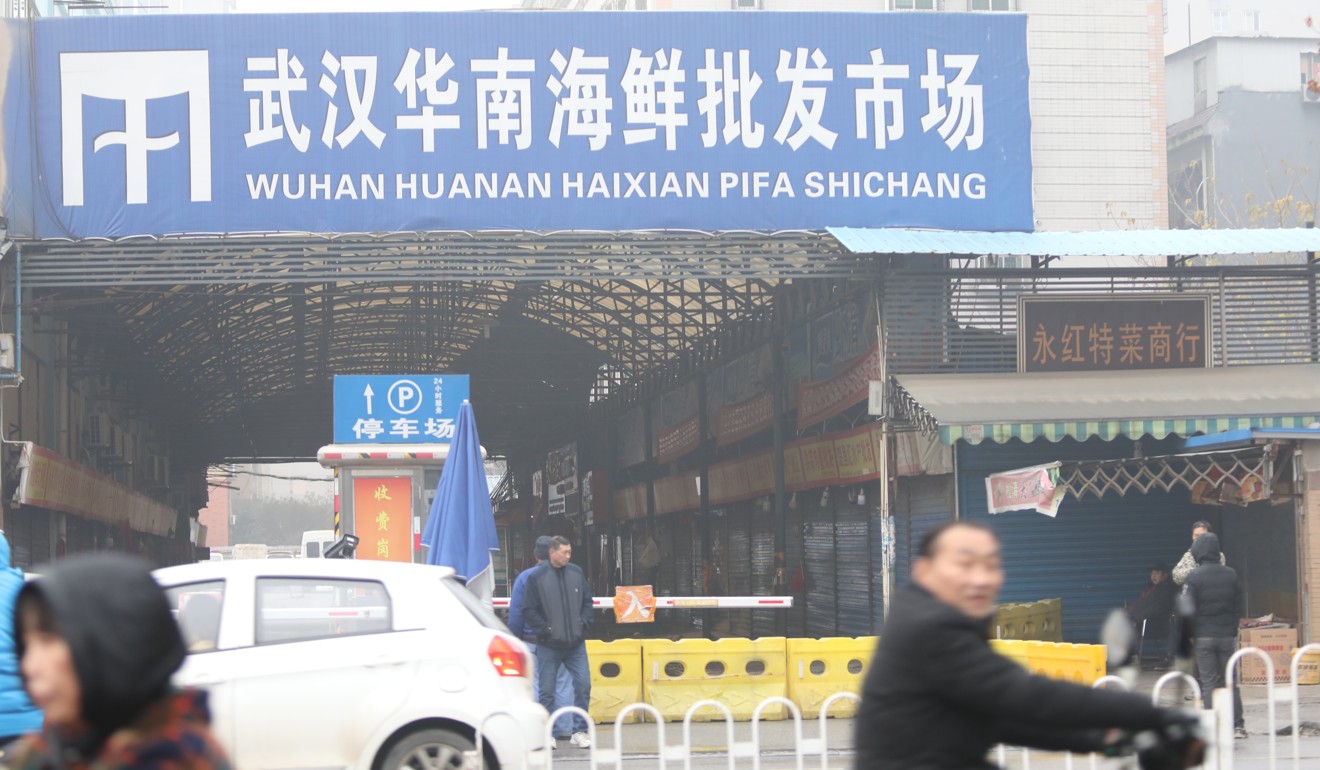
{"points": [[362, 665]]}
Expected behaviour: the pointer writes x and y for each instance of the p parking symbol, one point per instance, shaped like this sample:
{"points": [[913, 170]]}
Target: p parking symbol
{"points": [[405, 397]]}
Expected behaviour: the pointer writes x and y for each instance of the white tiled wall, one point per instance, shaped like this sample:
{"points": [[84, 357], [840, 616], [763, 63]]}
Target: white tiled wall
{"points": [[1097, 111]]}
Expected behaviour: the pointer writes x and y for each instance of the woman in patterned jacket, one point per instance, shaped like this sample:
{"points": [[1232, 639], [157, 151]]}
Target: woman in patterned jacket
{"points": [[97, 646]]}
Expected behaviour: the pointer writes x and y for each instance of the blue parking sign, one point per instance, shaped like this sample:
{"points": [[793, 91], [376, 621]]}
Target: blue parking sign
{"points": [[398, 408]]}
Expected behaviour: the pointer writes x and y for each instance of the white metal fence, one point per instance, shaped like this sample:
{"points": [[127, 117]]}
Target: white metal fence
{"points": [[814, 751]]}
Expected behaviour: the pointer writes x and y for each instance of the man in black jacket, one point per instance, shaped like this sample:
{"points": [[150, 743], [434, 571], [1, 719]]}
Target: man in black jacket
{"points": [[557, 606], [1217, 595], [938, 697]]}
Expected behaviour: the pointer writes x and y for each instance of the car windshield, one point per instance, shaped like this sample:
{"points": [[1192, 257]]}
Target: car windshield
{"points": [[484, 615]]}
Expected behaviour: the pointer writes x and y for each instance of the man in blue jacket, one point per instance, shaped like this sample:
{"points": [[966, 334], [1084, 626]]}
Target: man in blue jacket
{"points": [[18, 716], [518, 624], [557, 605]]}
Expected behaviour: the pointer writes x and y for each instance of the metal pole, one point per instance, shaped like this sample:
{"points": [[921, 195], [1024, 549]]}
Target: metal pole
{"points": [[781, 503]]}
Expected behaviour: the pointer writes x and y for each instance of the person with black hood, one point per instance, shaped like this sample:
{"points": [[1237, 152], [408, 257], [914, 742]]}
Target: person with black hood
{"points": [[1217, 597], [17, 714], [98, 644]]}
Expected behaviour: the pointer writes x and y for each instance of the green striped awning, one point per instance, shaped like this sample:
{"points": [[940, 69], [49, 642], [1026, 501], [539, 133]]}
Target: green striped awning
{"points": [[1160, 403], [1111, 429]]}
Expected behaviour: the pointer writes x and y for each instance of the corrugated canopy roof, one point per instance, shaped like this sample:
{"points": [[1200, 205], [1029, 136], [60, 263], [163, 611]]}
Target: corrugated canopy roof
{"points": [[975, 407], [1116, 243]]}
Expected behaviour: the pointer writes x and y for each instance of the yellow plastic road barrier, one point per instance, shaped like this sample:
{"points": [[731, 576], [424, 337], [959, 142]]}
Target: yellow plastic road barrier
{"points": [[739, 673], [1308, 671], [1080, 663], [1009, 620], [616, 678], [1046, 616], [1013, 649], [819, 668]]}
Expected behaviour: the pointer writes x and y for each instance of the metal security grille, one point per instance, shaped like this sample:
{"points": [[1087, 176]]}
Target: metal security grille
{"points": [[1215, 470], [965, 320], [440, 256]]}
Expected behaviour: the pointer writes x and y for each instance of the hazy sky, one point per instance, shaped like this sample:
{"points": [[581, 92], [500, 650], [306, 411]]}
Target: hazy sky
{"points": [[324, 6]]}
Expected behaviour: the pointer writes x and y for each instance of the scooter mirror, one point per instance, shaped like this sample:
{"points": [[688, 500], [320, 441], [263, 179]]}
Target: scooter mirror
{"points": [[1117, 637]]}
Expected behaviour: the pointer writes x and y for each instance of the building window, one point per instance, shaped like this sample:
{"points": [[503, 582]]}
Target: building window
{"points": [[746, 5], [914, 5], [1199, 91], [1251, 21], [994, 5], [1221, 22]]}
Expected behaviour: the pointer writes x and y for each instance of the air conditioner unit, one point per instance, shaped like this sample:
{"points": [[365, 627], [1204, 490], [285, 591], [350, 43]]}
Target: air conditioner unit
{"points": [[7, 357], [99, 432], [1010, 262]]}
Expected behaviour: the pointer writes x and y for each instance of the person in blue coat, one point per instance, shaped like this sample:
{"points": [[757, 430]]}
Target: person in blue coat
{"points": [[518, 625], [18, 716]]}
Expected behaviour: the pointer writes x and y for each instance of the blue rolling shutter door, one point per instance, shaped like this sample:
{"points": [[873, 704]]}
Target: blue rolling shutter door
{"points": [[923, 502], [852, 570], [1097, 554]]}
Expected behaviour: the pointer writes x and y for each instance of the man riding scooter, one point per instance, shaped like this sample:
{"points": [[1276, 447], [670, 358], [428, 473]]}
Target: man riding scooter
{"points": [[938, 697]]}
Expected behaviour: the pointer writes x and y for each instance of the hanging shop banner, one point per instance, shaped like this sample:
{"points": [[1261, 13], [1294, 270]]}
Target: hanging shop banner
{"points": [[847, 457], [382, 512], [562, 480], [676, 424], [728, 482], [677, 493], [515, 120], [745, 406], [630, 503], [823, 399], [1028, 489], [48, 480], [1108, 332]]}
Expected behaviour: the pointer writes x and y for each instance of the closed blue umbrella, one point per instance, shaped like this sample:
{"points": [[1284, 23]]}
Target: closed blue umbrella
{"points": [[460, 531]]}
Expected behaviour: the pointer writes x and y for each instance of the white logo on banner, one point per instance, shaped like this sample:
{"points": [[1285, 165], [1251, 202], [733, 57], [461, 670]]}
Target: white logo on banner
{"points": [[135, 78]]}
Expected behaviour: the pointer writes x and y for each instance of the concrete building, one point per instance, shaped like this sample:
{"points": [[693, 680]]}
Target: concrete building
{"points": [[1097, 97], [1244, 113]]}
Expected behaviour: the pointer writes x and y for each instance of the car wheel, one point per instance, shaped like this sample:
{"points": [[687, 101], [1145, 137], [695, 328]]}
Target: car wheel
{"points": [[430, 749]]}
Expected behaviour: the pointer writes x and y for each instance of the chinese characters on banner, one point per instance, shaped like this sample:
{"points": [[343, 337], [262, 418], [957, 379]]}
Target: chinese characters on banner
{"points": [[1029, 489], [634, 604], [561, 475], [1066, 333], [442, 121], [382, 512]]}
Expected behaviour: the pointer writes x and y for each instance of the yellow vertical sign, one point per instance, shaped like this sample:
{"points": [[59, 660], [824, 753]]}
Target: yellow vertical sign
{"points": [[382, 516]]}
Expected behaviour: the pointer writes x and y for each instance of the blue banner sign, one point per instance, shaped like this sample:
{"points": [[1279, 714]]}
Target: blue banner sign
{"points": [[398, 409], [516, 120]]}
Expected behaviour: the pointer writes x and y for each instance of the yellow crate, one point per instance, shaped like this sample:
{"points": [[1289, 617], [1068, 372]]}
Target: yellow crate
{"points": [[740, 673], [1080, 663], [616, 678], [820, 668]]}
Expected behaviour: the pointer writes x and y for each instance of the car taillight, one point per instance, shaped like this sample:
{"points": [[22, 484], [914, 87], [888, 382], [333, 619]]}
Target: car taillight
{"points": [[507, 659]]}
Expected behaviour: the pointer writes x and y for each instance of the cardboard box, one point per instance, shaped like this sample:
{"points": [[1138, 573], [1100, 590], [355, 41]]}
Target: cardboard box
{"points": [[1278, 643]]}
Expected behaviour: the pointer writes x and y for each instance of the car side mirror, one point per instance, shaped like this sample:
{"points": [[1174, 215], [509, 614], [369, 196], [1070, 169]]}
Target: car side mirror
{"points": [[344, 548]]}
